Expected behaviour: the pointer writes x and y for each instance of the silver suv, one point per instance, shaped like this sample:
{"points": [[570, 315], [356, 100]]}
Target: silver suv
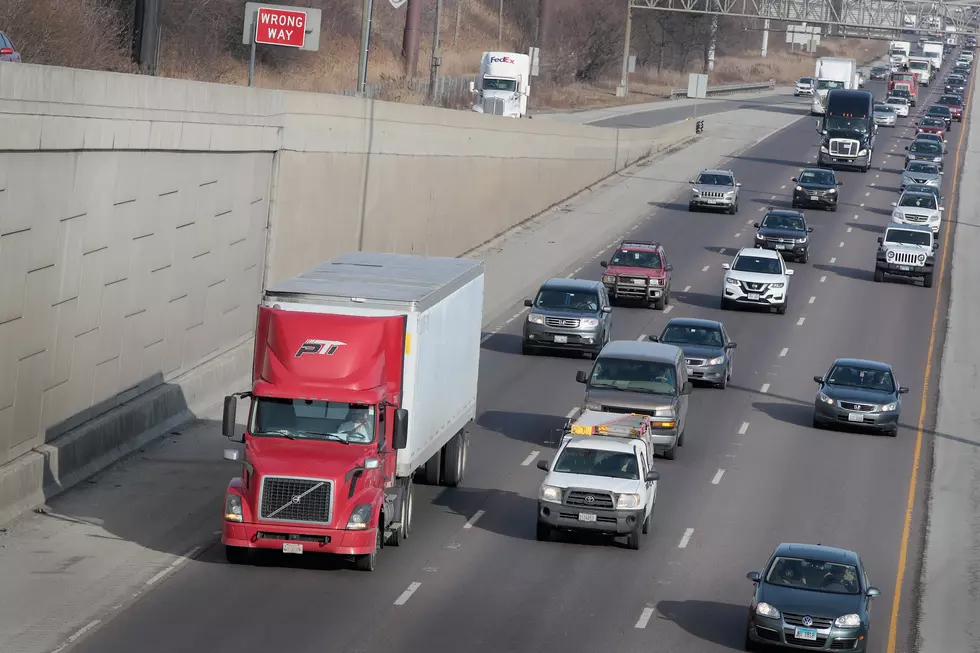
{"points": [[715, 189], [569, 314], [907, 250]]}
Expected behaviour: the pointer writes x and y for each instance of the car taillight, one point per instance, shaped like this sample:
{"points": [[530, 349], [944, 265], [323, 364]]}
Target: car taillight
{"points": [[6, 51]]}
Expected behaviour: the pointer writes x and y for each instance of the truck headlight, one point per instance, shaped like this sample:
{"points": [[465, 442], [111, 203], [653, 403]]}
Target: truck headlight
{"points": [[922, 259], [608, 278], [766, 610], [863, 152], [887, 408], [360, 517], [695, 191], [589, 323], [896, 216], [628, 501], [823, 148], [550, 493], [716, 361], [233, 507], [821, 397], [848, 621], [534, 318]]}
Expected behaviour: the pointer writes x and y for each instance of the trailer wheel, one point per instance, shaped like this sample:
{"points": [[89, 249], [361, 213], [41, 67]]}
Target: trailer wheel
{"points": [[432, 470], [454, 457]]}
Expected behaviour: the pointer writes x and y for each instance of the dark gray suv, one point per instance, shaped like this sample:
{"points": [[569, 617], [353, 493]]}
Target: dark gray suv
{"points": [[569, 314]]}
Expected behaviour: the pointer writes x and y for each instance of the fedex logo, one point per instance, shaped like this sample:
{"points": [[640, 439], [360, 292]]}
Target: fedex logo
{"points": [[321, 347], [501, 60]]}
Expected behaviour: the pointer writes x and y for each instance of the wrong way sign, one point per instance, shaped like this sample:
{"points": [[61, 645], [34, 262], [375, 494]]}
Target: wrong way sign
{"points": [[283, 25]]}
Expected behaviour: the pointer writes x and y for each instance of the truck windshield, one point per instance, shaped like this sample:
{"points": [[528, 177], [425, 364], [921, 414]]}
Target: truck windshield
{"points": [[636, 259], [904, 237], [596, 462], [649, 377], [496, 84], [313, 420], [841, 124], [828, 84], [918, 65]]}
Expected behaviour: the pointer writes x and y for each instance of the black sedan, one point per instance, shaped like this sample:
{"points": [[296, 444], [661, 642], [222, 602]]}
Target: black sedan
{"points": [[941, 112], [786, 232], [707, 348], [955, 84], [879, 72], [816, 187], [810, 597], [859, 393]]}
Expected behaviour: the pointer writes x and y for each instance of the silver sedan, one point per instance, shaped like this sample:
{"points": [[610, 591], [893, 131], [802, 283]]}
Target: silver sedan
{"points": [[922, 172], [884, 115]]}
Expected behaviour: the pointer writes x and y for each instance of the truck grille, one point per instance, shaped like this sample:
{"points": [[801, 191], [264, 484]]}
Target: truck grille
{"points": [[292, 499], [781, 241], [749, 286], [493, 106], [635, 281], [586, 499], [844, 147], [568, 323], [905, 258], [797, 620], [847, 405]]}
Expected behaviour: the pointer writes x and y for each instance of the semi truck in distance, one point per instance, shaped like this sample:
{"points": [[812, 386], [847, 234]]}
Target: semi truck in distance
{"points": [[921, 67], [504, 84], [898, 54], [847, 130], [831, 73], [364, 379], [908, 81]]}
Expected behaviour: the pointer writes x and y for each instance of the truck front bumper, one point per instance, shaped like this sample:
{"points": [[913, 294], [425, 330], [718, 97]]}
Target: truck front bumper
{"points": [[649, 290], [617, 522], [313, 540], [912, 271], [824, 159]]}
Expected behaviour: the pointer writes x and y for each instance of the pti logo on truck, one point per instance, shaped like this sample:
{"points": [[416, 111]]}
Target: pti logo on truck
{"points": [[501, 60], [322, 347]]}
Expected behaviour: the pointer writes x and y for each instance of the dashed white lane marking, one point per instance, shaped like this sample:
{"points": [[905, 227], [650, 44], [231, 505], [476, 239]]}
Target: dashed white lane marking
{"points": [[823, 278], [856, 216], [472, 520], [717, 479], [530, 458], [641, 337], [750, 221], [800, 321], [782, 187], [833, 259], [173, 565], [841, 244], [644, 618], [743, 429], [78, 633], [861, 204], [667, 309], [738, 235], [574, 412], [849, 229], [407, 594], [764, 389], [868, 194], [687, 538], [812, 299], [784, 351], [599, 253], [772, 197], [705, 268], [876, 176], [686, 288], [872, 185], [515, 316], [762, 208]]}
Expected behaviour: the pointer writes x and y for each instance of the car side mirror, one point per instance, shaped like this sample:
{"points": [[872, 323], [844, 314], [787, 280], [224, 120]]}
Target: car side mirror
{"points": [[603, 264], [756, 225], [726, 266], [942, 208], [880, 241], [692, 182], [873, 592], [906, 147], [935, 245], [652, 476], [940, 172], [653, 338], [228, 421], [738, 183], [731, 345], [792, 178], [894, 203], [818, 379], [580, 376], [903, 390], [399, 432], [789, 273], [544, 466], [809, 230], [607, 309], [754, 576], [528, 303], [840, 183], [687, 388], [669, 267]]}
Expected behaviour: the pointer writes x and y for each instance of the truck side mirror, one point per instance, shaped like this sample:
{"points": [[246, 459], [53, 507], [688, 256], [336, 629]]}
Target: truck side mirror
{"points": [[880, 241], [228, 416], [543, 465], [580, 376], [399, 435], [652, 476], [603, 264], [687, 388]]}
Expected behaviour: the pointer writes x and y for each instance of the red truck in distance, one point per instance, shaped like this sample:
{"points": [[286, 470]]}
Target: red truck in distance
{"points": [[364, 376], [907, 81]]}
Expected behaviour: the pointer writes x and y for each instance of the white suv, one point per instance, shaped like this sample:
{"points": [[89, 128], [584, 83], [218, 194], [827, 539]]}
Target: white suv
{"points": [[804, 86], [757, 277], [917, 208]]}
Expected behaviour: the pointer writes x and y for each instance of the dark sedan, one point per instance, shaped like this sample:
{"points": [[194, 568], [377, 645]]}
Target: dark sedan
{"points": [[707, 348], [859, 393], [879, 72], [955, 84], [962, 70], [786, 232], [955, 104], [811, 597], [816, 187], [941, 112], [7, 51], [928, 151]]}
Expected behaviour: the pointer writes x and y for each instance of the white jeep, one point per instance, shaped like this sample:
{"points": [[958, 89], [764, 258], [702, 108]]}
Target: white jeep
{"points": [[907, 250]]}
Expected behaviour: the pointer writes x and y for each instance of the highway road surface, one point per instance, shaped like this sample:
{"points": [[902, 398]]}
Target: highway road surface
{"points": [[752, 473]]}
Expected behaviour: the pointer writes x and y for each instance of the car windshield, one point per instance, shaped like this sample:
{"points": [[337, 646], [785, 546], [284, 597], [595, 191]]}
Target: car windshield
{"points": [[805, 80], [954, 79], [950, 100], [922, 188], [854, 376], [759, 264], [907, 237], [632, 375], [896, 100], [712, 179], [494, 84], [929, 137], [568, 300], [926, 147], [634, 259], [703, 336], [821, 177], [918, 201], [814, 575], [931, 122], [779, 221], [313, 420], [596, 462], [884, 108], [923, 167]]}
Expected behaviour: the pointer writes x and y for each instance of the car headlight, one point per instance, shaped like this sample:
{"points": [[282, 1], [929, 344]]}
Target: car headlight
{"points": [[937, 159], [731, 282], [534, 318], [589, 323], [922, 258], [628, 501], [695, 191], [233, 507], [862, 152], [890, 255], [776, 285], [766, 610], [550, 493], [360, 518], [663, 412], [887, 408], [799, 188], [729, 193], [608, 278], [832, 190], [760, 237], [801, 241], [848, 621], [896, 215], [823, 148], [716, 361], [825, 399]]}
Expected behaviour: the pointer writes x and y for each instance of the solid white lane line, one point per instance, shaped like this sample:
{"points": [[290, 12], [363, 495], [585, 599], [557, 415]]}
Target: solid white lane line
{"points": [[717, 479], [644, 618], [687, 538], [764, 389], [530, 458], [812, 299], [705, 268], [743, 428], [574, 412], [823, 278], [686, 288], [667, 309], [799, 322], [173, 565], [472, 520], [784, 352], [849, 229], [407, 594]]}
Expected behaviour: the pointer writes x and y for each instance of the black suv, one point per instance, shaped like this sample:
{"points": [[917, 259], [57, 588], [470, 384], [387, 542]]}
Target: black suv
{"points": [[786, 232], [816, 187]]}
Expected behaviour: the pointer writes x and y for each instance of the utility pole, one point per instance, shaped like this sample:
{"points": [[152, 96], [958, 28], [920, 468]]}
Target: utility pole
{"points": [[410, 40], [436, 53], [765, 39], [623, 87], [367, 8], [543, 38], [459, 19], [500, 26], [146, 35]]}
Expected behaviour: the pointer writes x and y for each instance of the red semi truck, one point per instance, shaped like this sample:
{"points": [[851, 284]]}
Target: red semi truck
{"points": [[365, 372], [908, 81]]}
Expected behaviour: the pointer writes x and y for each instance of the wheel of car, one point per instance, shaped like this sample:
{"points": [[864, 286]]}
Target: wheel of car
{"points": [[749, 644], [646, 525], [723, 384], [657, 304], [795, 205], [927, 280], [781, 309], [691, 207], [543, 533], [671, 453], [817, 424], [726, 305], [805, 257], [833, 207], [528, 350], [892, 432]]}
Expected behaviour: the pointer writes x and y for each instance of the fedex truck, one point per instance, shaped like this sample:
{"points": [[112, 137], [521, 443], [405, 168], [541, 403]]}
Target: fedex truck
{"points": [[504, 84]]}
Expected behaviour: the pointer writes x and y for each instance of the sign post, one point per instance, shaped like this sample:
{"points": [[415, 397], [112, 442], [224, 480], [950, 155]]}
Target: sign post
{"points": [[282, 25]]}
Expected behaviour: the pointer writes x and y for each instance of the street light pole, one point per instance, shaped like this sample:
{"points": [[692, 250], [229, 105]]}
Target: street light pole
{"points": [[367, 8], [624, 76], [436, 53]]}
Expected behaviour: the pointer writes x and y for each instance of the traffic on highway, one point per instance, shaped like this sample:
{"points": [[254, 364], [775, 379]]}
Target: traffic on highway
{"points": [[671, 446]]}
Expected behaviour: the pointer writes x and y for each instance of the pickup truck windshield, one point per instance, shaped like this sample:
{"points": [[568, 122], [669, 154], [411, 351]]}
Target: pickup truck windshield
{"points": [[596, 462], [630, 375], [627, 258], [313, 420]]}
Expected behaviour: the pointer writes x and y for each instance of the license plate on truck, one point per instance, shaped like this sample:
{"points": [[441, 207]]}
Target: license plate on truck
{"points": [[586, 516], [292, 548], [807, 634]]}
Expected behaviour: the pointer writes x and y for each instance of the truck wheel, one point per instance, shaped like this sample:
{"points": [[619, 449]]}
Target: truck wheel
{"points": [[633, 540], [657, 304], [927, 280], [238, 555], [879, 275], [404, 515], [409, 507], [369, 561], [454, 460], [543, 532], [432, 470]]}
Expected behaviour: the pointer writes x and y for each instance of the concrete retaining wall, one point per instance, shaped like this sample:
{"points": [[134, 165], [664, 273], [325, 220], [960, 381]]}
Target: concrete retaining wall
{"points": [[140, 217]]}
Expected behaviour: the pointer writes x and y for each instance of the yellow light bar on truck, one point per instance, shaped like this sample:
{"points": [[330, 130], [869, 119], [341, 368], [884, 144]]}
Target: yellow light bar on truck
{"points": [[580, 429]]}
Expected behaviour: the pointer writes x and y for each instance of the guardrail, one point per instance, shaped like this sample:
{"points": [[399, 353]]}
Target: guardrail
{"points": [[725, 89]]}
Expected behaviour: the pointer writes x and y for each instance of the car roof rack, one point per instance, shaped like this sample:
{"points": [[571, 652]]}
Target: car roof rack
{"points": [[638, 244]]}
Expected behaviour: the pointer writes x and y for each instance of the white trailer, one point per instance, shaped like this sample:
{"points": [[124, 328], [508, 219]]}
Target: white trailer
{"points": [[504, 84], [830, 73]]}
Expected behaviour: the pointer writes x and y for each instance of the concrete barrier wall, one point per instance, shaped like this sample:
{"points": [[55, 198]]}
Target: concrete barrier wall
{"points": [[140, 217]]}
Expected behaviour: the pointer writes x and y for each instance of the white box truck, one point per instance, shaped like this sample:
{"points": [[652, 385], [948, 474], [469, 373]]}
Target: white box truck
{"points": [[898, 54], [504, 84], [365, 372], [934, 51], [922, 68], [830, 73]]}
